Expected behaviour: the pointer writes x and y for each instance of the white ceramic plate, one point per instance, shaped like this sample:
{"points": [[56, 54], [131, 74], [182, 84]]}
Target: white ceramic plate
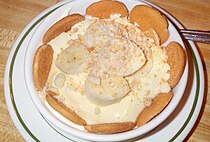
{"points": [[35, 127], [36, 40]]}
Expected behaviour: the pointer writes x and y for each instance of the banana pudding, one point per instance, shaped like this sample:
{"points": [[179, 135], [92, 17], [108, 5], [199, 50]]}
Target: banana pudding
{"points": [[105, 72], [111, 82]]}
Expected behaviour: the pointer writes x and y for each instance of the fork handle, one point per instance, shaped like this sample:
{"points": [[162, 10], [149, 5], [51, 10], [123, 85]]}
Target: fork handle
{"points": [[196, 35]]}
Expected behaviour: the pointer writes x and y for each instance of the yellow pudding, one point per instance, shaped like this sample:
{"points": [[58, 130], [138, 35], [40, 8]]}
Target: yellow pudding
{"points": [[107, 70]]}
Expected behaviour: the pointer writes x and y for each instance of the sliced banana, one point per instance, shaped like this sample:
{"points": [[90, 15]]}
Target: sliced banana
{"points": [[60, 80], [121, 57], [105, 91], [100, 32], [145, 69], [94, 34], [72, 60]]}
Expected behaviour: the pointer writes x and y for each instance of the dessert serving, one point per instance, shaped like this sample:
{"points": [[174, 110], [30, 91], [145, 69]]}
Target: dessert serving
{"points": [[107, 70]]}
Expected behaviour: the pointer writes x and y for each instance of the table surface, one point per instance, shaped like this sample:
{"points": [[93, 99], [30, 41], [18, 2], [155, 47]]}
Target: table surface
{"points": [[16, 14]]}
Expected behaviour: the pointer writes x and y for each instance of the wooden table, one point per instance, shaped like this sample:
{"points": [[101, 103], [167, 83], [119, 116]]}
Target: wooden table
{"points": [[16, 14]]}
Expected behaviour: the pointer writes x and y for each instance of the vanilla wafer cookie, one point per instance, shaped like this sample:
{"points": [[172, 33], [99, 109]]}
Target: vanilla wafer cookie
{"points": [[110, 128], [147, 17], [42, 65], [64, 110], [62, 25], [176, 60], [157, 105], [104, 8]]}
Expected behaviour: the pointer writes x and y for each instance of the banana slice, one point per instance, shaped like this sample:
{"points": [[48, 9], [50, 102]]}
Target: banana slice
{"points": [[72, 60], [60, 80], [145, 69], [121, 57], [100, 32], [105, 91], [96, 34]]}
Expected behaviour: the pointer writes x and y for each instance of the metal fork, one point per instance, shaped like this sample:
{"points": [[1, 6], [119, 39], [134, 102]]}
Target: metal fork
{"points": [[196, 35]]}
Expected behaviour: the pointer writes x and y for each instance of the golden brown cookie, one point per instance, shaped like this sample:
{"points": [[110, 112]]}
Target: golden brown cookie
{"points": [[61, 26], [41, 65], [64, 110], [176, 60], [147, 17], [110, 128], [153, 34], [158, 104], [104, 8]]}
